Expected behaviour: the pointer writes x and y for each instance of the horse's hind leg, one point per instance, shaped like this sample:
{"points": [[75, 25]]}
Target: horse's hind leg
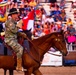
{"points": [[5, 71], [10, 72], [25, 73], [37, 72]]}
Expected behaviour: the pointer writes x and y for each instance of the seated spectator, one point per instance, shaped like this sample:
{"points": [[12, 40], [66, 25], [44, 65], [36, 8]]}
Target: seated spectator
{"points": [[38, 30], [43, 15], [71, 29], [21, 5], [49, 19], [69, 22], [63, 15], [53, 27], [15, 4], [53, 6], [39, 33], [59, 24], [46, 28], [52, 1], [72, 6], [62, 4], [74, 14], [64, 28], [22, 12], [1, 30], [32, 3], [38, 14], [57, 13], [26, 4]]}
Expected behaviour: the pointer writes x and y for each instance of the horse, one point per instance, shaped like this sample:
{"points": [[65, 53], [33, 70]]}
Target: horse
{"points": [[38, 47]]}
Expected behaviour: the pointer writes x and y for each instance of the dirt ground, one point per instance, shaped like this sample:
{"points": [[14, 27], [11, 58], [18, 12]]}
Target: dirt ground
{"points": [[69, 70]]}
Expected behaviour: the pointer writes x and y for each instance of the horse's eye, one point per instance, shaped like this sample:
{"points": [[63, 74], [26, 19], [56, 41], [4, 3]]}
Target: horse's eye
{"points": [[56, 39]]}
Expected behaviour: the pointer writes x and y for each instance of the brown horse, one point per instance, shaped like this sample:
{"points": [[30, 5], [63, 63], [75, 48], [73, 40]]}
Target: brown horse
{"points": [[38, 47]]}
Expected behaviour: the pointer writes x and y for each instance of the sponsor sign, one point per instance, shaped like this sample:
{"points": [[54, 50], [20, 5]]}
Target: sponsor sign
{"points": [[54, 59]]}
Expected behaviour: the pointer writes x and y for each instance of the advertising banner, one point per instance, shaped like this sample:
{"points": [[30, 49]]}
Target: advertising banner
{"points": [[54, 59]]}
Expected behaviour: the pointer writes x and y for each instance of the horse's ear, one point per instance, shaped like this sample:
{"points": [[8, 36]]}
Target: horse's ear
{"points": [[62, 32], [29, 29]]}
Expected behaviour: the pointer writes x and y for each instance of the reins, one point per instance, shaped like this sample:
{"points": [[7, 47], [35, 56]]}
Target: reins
{"points": [[40, 48], [35, 49], [54, 54], [25, 36]]}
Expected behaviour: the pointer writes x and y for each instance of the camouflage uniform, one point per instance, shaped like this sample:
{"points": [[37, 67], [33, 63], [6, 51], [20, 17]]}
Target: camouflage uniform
{"points": [[11, 37]]}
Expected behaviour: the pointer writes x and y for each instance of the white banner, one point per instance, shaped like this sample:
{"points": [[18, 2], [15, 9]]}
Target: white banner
{"points": [[52, 60]]}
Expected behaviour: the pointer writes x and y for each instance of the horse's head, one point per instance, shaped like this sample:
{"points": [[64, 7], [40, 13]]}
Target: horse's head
{"points": [[59, 43]]}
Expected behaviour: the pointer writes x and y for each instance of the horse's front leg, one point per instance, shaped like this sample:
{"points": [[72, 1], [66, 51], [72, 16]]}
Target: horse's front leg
{"points": [[5, 71], [37, 72], [28, 72], [11, 72]]}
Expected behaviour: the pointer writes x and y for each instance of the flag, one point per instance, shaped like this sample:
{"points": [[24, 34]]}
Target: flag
{"points": [[28, 21]]}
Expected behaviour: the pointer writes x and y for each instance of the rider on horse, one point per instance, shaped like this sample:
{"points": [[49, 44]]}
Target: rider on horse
{"points": [[11, 30]]}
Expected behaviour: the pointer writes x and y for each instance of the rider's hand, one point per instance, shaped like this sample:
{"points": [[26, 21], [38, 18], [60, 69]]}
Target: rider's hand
{"points": [[19, 24], [2, 33]]}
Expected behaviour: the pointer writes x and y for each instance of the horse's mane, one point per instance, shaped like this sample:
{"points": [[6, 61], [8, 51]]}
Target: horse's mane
{"points": [[42, 38]]}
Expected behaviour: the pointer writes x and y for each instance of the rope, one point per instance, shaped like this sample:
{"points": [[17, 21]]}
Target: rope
{"points": [[54, 54]]}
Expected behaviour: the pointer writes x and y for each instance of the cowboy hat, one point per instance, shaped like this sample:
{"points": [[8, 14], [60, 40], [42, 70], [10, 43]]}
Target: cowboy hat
{"points": [[13, 11]]}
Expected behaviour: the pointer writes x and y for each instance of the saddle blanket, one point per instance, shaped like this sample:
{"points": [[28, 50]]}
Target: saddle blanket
{"points": [[5, 51]]}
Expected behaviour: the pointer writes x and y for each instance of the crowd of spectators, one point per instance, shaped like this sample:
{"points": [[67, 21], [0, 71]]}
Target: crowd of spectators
{"points": [[45, 24]]}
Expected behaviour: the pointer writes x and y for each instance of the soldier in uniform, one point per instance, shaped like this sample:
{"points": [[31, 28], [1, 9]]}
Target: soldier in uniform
{"points": [[11, 29]]}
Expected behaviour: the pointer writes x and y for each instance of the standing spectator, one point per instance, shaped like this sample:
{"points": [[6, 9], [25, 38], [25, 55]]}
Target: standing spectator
{"points": [[71, 40]]}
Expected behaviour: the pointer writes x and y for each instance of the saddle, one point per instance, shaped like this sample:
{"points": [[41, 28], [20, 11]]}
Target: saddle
{"points": [[9, 48], [24, 43]]}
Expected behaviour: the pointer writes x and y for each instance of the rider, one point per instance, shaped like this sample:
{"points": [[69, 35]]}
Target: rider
{"points": [[11, 29]]}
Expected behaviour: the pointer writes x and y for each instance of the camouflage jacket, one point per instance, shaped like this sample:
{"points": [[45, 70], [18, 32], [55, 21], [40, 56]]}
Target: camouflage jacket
{"points": [[10, 30]]}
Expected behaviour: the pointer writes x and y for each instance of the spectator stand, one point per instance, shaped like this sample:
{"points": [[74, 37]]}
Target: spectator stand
{"points": [[45, 21]]}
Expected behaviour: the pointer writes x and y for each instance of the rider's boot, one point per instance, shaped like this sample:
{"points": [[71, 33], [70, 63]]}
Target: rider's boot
{"points": [[19, 65]]}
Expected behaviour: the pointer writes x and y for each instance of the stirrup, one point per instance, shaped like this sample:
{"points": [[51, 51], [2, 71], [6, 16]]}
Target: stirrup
{"points": [[24, 69], [21, 69]]}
